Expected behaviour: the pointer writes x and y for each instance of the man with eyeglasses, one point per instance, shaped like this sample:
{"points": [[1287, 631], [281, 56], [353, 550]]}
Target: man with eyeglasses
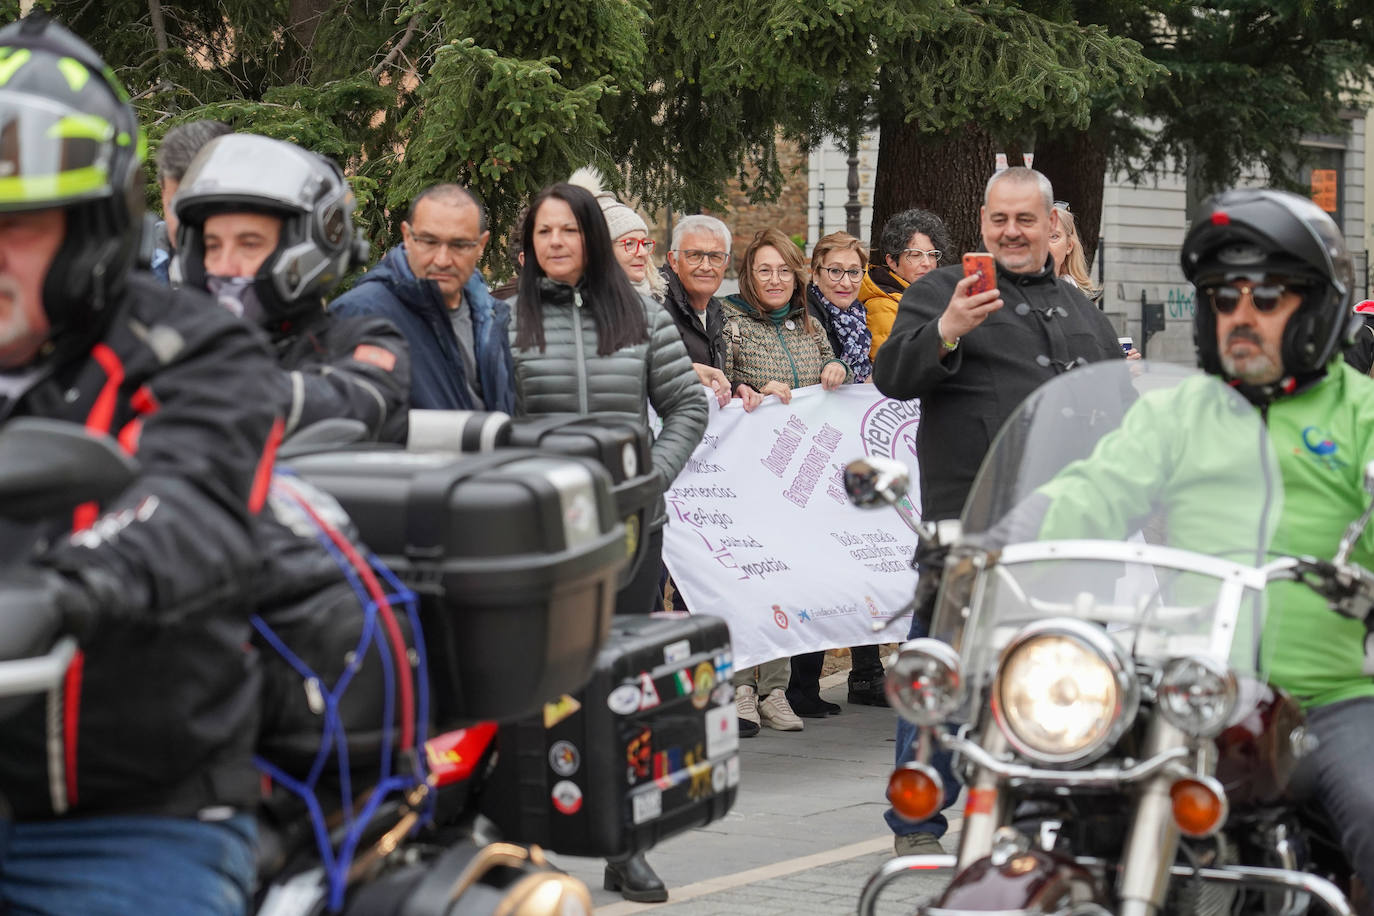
{"points": [[430, 288], [972, 359], [694, 270]]}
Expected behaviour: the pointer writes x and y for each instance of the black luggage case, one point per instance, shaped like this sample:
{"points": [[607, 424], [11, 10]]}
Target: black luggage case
{"points": [[624, 450], [621, 446], [514, 554], [648, 749]]}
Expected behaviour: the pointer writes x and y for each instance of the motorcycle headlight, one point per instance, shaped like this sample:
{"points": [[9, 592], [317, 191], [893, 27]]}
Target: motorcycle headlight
{"points": [[923, 683], [1197, 695], [1064, 693]]}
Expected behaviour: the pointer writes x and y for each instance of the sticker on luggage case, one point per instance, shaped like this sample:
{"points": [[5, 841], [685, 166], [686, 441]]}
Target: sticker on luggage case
{"points": [[723, 694], [624, 700], [718, 779], [564, 758], [725, 665], [648, 693], [705, 678], [676, 652], [567, 797], [732, 772], [559, 710], [647, 805], [722, 731], [684, 683], [638, 754]]}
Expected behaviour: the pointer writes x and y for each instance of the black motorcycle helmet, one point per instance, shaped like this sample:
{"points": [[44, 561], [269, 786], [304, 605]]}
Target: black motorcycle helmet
{"points": [[1251, 233], [69, 138], [239, 173]]}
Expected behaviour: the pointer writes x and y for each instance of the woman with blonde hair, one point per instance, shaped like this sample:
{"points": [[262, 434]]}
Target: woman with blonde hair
{"points": [[1067, 249], [773, 345]]}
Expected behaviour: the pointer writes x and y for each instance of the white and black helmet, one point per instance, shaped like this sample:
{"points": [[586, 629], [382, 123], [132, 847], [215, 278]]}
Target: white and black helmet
{"points": [[249, 173]]}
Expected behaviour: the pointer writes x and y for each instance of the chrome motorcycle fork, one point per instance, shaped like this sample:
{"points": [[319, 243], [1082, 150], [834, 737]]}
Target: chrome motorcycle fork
{"points": [[985, 809], [1153, 839]]}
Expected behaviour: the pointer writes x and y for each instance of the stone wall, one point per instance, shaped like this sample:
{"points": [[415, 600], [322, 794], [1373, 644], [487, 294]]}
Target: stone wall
{"points": [[788, 212]]}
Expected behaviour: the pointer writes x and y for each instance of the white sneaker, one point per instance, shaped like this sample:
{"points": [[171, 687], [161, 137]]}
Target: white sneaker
{"points": [[747, 704], [777, 713]]}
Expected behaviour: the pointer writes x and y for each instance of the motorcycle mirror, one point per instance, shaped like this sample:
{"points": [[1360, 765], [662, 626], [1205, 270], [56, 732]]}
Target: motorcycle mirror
{"points": [[876, 481], [48, 467]]}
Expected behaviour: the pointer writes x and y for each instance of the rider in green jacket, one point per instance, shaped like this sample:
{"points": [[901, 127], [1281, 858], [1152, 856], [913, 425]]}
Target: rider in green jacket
{"points": [[1274, 284]]}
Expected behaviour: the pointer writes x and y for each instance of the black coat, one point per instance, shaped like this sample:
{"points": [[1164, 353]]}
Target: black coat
{"points": [[163, 702], [1043, 328], [704, 345]]}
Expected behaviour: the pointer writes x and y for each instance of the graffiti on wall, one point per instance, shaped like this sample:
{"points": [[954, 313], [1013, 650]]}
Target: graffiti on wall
{"points": [[1178, 302]]}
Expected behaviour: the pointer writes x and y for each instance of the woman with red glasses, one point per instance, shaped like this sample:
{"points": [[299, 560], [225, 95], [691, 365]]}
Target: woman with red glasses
{"points": [[630, 240]]}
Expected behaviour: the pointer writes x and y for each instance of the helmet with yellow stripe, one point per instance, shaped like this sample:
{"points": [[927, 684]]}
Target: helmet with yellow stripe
{"points": [[69, 138]]}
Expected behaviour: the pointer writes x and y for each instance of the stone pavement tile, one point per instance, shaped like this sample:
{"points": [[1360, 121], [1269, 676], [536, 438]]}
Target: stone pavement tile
{"points": [[829, 890]]}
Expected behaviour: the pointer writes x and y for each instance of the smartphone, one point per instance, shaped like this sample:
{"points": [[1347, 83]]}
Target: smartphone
{"points": [[980, 263]]}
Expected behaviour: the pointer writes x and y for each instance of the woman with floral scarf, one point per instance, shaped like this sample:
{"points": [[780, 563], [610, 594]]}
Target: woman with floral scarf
{"points": [[837, 269]]}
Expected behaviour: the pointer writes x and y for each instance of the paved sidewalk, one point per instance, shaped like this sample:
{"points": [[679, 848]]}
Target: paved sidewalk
{"points": [[805, 832]]}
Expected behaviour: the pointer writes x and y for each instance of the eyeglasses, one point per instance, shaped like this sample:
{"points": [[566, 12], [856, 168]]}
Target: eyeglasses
{"points": [[918, 254], [838, 273], [424, 244], [768, 273], [694, 257], [1062, 205], [632, 246], [1225, 299]]}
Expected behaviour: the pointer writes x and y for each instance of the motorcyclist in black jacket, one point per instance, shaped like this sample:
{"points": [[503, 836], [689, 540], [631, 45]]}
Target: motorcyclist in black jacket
{"points": [[126, 788], [267, 228]]}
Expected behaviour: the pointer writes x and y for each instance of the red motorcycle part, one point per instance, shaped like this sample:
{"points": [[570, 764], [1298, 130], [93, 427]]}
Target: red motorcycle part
{"points": [[1033, 881], [1257, 755], [454, 755]]}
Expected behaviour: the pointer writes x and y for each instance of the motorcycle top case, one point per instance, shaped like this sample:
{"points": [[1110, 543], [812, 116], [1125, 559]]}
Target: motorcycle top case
{"points": [[514, 554], [648, 749], [621, 447]]}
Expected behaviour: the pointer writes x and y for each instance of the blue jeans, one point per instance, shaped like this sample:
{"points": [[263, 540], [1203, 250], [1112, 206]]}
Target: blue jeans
{"points": [[116, 866], [1339, 777], [936, 825]]}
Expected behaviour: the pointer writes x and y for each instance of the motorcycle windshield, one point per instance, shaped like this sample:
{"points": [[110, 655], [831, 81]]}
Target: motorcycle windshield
{"points": [[1138, 497]]}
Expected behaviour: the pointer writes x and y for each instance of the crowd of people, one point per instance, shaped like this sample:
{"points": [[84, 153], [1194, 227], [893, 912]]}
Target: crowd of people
{"points": [[230, 343]]}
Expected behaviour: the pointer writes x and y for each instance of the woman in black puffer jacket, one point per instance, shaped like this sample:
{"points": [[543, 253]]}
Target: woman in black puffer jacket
{"points": [[584, 341]]}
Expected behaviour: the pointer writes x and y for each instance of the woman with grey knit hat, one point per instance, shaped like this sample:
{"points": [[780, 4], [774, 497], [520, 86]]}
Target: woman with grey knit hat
{"points": [[629, 236]]}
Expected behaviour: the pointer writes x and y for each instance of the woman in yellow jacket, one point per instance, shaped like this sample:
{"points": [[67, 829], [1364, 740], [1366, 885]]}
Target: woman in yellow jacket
{"points": [[913, 243]]}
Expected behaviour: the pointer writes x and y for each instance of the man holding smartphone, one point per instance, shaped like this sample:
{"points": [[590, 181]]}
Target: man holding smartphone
{"points": [[972, 358]]}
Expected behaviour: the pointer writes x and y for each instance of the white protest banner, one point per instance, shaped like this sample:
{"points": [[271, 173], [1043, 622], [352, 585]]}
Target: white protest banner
{"points": [[760, 531]]}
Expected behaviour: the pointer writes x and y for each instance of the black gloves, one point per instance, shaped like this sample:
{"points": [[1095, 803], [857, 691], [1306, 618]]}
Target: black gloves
{"points": [[36, 606]]}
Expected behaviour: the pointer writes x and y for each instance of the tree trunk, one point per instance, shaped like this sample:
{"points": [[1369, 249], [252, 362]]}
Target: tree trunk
{"points": [[943, 173], [1076, 164], [303, 21]]}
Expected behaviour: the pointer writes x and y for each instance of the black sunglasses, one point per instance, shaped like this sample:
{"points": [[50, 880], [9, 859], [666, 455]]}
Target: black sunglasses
{"points": [[1265, 297]]}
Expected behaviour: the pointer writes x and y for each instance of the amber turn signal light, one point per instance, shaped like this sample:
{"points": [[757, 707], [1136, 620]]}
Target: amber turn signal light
{"points": [[914, 791], [1200, 806]]}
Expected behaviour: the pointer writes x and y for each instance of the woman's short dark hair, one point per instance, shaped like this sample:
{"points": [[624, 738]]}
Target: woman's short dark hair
{"points": [[902, 226], [616, 308]]}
